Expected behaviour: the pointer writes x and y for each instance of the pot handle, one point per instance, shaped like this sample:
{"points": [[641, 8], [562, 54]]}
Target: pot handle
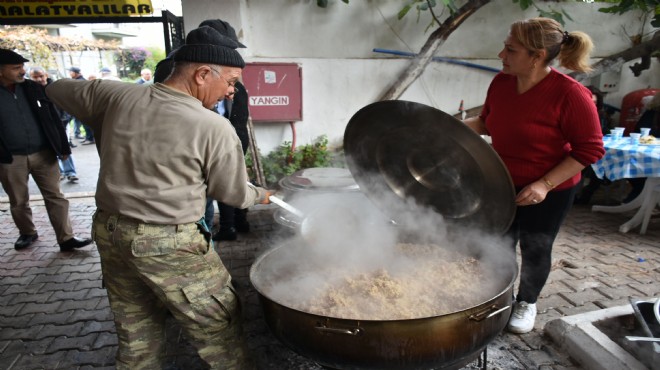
{"points": [[488, 313], [323, 328]]}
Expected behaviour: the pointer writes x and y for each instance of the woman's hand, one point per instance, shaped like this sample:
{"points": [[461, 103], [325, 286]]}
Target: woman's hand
{"points": [[532, 194]]}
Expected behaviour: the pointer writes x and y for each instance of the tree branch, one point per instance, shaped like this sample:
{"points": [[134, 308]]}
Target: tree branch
{"points": [[614, 62], [433, 43]]}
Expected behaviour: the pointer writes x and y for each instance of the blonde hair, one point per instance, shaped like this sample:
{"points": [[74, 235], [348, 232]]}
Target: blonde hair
{"points": [[572, 49]]}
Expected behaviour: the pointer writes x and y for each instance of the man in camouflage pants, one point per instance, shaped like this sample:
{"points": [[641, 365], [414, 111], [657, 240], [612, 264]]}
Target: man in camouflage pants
{"points": [[157, 145], [202, 299]]}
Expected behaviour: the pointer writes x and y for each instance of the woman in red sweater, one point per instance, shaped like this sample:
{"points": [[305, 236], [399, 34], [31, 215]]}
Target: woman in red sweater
{"points": [[545, 127]]}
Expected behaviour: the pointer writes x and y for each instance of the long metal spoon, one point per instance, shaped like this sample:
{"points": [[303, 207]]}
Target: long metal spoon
{"points": [[287, 206], [642, 339]]}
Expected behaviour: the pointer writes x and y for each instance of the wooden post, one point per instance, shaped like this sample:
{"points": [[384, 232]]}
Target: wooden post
{"points": [[256, 161]]}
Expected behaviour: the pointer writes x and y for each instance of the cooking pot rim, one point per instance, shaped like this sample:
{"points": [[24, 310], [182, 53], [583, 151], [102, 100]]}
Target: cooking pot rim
{"points": [[258, 261]]}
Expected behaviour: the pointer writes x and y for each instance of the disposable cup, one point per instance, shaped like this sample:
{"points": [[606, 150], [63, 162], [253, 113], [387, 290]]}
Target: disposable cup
{"points": [[617, 133], [634, 138], [645, 131]]}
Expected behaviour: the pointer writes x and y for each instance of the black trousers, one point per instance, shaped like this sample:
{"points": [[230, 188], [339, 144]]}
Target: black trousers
{"points": [[230, 216], [536, 228]]}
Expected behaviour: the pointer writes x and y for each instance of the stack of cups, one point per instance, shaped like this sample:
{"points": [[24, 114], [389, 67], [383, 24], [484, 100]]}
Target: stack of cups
{"points": [[634, 138], [617, 133]]}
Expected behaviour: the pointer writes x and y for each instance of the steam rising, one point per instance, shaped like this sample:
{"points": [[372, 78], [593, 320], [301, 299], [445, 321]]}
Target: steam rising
{"points": [[348, 232]]}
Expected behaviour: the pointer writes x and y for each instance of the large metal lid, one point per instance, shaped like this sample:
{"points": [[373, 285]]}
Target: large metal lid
{"points": [[325, 179], [417, 151]]}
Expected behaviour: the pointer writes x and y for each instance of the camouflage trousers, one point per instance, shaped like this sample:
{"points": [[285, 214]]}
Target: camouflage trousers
{"points": [[150, 270]]}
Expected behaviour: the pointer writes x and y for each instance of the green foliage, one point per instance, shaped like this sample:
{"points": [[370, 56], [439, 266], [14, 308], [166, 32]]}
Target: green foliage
{"points": [[619, 7], [131, 60], [157, 54], [283, 162], [623, 6], [424, 5]]}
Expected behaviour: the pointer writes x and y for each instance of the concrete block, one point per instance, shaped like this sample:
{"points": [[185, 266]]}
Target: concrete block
{"points": [[615, 281], [21, 333], [612, 293], [71, 305], [68, 330], [45, 318], [97, 357], [75, 295], [97, 327], [647, 289], [569, 311], [589, 346], [39, 308], [580, 298], [38, 346], [105, 339], [89, 284], [579, 285], [612, 303], [42, 278], [32, 298], [80, 343], [84, 268], [8, 310], [85, 315]]}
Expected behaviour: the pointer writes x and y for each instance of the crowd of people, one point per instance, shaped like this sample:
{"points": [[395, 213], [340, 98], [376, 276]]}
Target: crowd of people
{"points": [[173, 143]]}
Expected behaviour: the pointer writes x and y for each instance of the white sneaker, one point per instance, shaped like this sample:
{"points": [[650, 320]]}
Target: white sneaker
{"points": [[523, 317]]}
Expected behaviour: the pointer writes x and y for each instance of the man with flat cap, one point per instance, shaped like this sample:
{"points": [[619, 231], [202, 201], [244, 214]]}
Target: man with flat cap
{"points": [[31, 140], [162, 150]]}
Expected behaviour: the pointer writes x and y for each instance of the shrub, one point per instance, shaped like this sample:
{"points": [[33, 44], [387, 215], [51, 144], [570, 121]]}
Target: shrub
{"points": [[283, 162]]}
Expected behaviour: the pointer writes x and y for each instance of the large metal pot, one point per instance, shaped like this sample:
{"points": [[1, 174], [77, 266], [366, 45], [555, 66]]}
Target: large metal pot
{"points": [[448, 341], [414, 152]]}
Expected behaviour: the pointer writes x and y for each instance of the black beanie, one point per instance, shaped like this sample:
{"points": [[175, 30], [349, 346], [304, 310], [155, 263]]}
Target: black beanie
{"points": [[206, 45], [163, 69], [9, 57], [223, 28]]}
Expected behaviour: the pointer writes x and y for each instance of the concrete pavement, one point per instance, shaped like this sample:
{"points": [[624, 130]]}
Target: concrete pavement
{"points": [[54, 312]]}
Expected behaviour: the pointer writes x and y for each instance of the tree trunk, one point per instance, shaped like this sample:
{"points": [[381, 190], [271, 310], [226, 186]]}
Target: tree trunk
{"points": [[614, 62], [433, 43]]}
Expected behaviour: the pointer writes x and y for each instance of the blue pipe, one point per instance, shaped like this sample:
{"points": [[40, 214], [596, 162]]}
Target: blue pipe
{"points": [[440, 59]]}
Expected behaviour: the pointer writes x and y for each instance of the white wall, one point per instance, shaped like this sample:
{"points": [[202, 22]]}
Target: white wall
{"points": [[341, 73]]}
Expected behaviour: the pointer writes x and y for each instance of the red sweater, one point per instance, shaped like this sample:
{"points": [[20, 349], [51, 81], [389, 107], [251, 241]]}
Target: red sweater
{"points": [[534, 131]]}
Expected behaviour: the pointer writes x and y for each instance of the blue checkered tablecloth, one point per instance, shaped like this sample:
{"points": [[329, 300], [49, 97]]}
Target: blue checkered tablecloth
{"points": [[625, 160]]}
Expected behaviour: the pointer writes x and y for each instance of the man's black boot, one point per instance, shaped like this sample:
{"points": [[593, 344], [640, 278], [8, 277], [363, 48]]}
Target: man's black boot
{"points": [[74, 243], [225, 233], [25, 241]]}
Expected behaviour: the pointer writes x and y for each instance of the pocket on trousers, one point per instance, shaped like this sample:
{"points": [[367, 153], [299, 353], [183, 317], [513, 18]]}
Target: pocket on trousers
{"points": [[212, 303], [149, 246]]}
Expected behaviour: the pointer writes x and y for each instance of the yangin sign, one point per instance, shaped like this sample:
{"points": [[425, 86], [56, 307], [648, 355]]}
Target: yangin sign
{"points": [[71, 8], [274, 91], [269, 100]]}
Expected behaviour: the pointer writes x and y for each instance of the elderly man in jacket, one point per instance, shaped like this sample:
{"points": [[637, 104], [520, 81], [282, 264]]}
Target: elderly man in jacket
{"points": [[31, 140], [162, 151]]}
